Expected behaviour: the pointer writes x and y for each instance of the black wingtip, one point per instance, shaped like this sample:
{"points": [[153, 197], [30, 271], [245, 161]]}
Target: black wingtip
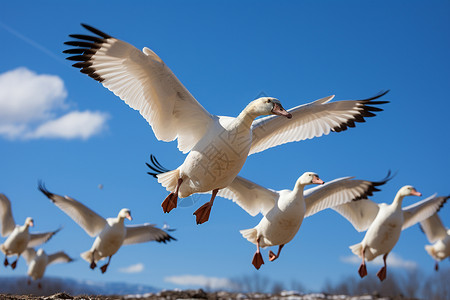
{"points": [[367, 111], [374, 186], [379, 95], [443, 202], [166, 238], [96, 31], [42, 188], [156, 167], [388, 177]]}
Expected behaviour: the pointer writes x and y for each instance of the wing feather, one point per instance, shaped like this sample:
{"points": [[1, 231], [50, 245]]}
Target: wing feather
{"points": [[59, 257], [145, 83], [146, 233], [39, 238], [422, 210], [359, 213], [312, 120], [338, 192], [7, 220], [433, 228], [90, 221], [252, 197]]}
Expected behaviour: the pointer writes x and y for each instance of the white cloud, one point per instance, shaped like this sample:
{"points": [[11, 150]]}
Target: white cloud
{"points": [[214, 283], [26, 96], [393, 260], [137, 268], [28, 106], [73, 125]]}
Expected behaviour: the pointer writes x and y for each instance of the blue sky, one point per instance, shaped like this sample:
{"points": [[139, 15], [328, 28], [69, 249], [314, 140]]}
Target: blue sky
{"points": [[61, 126]]}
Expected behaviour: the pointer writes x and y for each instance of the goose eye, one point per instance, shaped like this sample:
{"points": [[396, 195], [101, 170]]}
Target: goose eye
{"points": [[268, 101]]}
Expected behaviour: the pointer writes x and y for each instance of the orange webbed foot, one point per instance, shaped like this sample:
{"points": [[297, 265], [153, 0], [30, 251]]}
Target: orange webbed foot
{"points": [[92, 265], [382, 274], [103, 268], [272, 256], [170, 202], [362, 271], [257, 260], [202, 214]]}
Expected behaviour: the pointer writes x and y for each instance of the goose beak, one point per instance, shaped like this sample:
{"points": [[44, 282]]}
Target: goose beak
{"points": [[416, 193], [280, 111], [317, 180], [31, 224], [129, 217]]}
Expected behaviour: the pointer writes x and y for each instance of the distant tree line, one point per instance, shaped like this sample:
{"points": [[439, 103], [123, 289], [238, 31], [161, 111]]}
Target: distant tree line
{"points": [[411, 284]]}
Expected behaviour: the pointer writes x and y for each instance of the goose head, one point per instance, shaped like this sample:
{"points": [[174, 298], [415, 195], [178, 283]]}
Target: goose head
{"points": [[267, 106], [408, 190], [309, 178], [40, 252], [125, 213], [29, 222]]}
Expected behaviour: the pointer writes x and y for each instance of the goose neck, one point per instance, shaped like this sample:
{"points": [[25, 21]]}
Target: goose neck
{"points": [[299, 188], [398, 200], [246, 118]]}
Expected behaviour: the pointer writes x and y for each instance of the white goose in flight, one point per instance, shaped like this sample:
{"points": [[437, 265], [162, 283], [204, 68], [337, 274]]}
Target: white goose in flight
{"points": [[39, 260], [439, 236], [19, 238], [218, 146], [384, 223], [283, 211], [110, 233]]}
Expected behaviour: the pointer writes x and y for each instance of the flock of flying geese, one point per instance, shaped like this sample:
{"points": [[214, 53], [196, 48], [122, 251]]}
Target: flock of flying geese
{"points": [[217, 147]]}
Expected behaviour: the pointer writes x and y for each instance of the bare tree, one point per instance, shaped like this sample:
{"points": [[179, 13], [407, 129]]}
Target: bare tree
{"points": [[437, 286]]}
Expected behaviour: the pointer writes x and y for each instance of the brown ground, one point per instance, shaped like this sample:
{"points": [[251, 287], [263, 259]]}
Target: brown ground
{"points": [[200, 294]]}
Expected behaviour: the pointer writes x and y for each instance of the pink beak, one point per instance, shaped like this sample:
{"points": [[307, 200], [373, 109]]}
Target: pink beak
{"points": [[280, 111], [317, 180], [129, 217], [416, 193], [31, 223]]}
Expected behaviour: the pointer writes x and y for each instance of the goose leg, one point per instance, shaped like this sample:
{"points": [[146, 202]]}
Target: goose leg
{"points": [[202, 214], [29, 281], [272, 255], [436, 266], [93, 264], [171, 201], [105, 266], [257, 258], [39, 285], [362, 271], [382, 273]]}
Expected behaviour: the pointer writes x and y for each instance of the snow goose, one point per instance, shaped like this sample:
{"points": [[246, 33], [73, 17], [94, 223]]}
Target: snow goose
{"points": [[384, 223], [39, 260], [439, 236], [218, 146], [283, 211], [110, 233], [19, 237]]}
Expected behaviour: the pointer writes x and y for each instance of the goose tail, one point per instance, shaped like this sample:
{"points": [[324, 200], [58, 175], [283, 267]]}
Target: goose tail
{"points": [[250, 235], [87, 256], [431, 252], [166, 178], [356, 249]]}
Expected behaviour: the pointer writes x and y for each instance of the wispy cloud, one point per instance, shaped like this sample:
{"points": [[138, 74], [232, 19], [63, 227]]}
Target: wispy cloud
{"points": [[137, 268], [29, 103], [31, 42], [214, 283], [393, 260]]}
